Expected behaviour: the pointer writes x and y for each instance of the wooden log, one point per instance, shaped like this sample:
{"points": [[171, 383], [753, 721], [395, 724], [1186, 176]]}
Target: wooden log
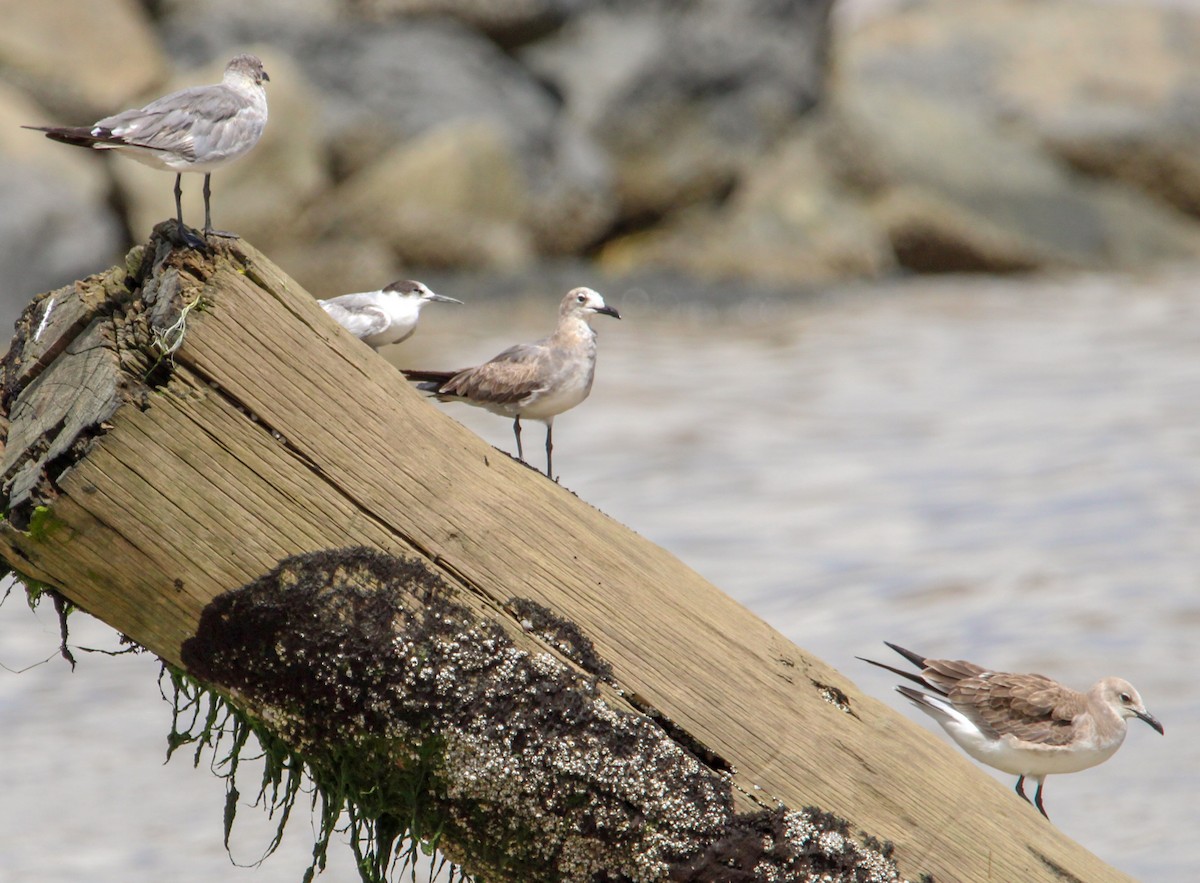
{"points": [[179, 428]]}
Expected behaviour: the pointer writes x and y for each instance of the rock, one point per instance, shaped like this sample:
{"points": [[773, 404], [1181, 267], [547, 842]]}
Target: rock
{"points": [[455, 196], [70, 236], [198, 34], [82, 172], [887, 177], [992, 195], [382, 84], [1111, 89], [684, 101], [452, 76], [933, 235], [327, 267], [260, 196], [508, 22], [571, 200], [56, 208], [80, 59], [792, 222]]}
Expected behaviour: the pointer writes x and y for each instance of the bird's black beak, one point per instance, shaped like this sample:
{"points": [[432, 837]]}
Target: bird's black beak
{"points": [[1151, 720], [265, 77], [609, 311]]}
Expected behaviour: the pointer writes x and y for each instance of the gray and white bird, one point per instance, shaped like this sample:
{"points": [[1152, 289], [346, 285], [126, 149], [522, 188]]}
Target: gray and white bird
{"points": [[388, 315], [1023, 724], [198, 129], [538, 380]]}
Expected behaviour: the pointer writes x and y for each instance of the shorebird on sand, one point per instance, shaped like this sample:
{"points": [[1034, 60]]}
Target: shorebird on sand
{"points": [[1023, 724], [388, 315], [197, 130], [537, 380]]}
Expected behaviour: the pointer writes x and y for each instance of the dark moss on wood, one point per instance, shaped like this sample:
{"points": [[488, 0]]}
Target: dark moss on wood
{"points": [[362, 662], [560, 633]]}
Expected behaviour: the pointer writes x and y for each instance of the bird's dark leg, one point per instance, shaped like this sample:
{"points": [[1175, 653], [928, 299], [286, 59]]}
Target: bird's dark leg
{"points": [[1021, 788], [207, 210], [188, 238], [549, 448], [1037, 798], [208, 227], [517, 433]]}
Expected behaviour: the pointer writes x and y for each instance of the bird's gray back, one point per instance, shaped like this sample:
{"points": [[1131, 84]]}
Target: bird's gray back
{"points": [[208, 123]]}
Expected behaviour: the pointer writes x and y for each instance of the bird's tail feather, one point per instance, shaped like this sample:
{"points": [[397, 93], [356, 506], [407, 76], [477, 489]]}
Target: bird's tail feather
{"points": [[915, 658], [916, 679], [438, 377], [78, 136]]}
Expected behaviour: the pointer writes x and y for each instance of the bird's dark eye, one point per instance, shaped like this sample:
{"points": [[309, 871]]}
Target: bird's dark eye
{"points": [[581, 298], [1125, 697]]}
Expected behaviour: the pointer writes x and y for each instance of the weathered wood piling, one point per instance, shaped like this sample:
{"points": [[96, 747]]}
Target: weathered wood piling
{"points": [[195, 454]]}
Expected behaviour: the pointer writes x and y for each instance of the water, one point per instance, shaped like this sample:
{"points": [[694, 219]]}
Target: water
{"points": [[1003, 470]]}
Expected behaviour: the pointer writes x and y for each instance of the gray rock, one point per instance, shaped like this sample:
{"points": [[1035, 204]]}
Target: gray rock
{"points": [[54, 51], [960, 191], [402, 80], [795, 220], [685, 97], [454, 196], [68, 236], [382, 86], [508, 22], [1111, 89]]}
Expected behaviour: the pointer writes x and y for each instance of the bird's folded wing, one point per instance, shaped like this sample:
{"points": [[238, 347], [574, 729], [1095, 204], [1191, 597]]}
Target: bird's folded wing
{"points": [[360, 320], [509, 378], [185, 123], [1032, 708], [944, 674]]}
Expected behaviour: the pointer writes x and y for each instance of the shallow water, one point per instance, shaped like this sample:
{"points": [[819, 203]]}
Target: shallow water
{"points": [[1002, 470]]}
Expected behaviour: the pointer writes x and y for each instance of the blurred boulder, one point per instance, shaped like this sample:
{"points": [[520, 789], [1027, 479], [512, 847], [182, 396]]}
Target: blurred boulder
{"points": [[196, 34], [885, 177], [1113, 90], [383, 86], [453, 197], [965, 192], [508, 22], [81, 171], [379, 85], [80, 59], [685, 98], [50, 235], [794, 220], [57, 225]]}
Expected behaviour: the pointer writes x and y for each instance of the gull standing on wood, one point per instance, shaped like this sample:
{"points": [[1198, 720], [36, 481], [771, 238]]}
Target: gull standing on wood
{"points": [[536, 380], [1023, 724], [388, 315], [193, 130]]}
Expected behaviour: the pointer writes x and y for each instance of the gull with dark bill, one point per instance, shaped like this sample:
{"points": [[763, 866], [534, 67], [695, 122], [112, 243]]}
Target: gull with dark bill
{"points": [[388, 315], [197, 130], [1023, 724], [537, 380]]}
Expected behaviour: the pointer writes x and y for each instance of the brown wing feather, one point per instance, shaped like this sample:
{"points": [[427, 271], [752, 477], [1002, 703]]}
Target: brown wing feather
{"points": [[1030, 707], [946, 674], [506, 379]]}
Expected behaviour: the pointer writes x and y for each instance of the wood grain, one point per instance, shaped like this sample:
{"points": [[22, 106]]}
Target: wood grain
{"points": [[278, 433]]}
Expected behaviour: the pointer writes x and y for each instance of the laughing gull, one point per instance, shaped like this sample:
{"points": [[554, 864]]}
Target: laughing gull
{"points": [[1023, 724], [388, 315], [193, 130], [536, 380]]}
